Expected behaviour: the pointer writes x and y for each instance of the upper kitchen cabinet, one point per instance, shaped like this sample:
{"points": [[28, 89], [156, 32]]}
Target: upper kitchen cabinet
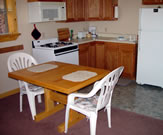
{"points": [[75, 10], [93, 10], [90, 10], [79, 10], [100, 9], [108, 9], [152, 2], [70, 10], [46, 0]]}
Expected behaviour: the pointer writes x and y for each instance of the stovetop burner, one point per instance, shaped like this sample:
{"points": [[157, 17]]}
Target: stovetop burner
{"points": [[63, 43], [56, 44], [50, 45]]}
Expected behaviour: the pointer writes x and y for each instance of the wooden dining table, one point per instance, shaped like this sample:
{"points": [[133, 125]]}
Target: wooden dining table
{"points": [[56, 88]]}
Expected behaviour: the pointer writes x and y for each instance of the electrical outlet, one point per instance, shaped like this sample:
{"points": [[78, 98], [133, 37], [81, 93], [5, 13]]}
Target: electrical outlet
{"points": [[106, 29]]}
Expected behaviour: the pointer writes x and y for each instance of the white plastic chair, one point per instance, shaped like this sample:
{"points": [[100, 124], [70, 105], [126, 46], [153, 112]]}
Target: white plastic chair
{"points": [[98, 98], [19, 61]]}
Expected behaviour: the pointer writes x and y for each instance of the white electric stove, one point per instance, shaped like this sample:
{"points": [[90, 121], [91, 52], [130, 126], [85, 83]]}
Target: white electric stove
{"points": [[54, 50]]}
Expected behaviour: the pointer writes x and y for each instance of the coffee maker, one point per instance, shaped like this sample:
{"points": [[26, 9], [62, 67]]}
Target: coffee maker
{"points": [[92, 31]]}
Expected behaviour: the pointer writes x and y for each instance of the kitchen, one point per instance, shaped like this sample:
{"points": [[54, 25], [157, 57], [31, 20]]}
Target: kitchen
{"points": [[126, 25]]}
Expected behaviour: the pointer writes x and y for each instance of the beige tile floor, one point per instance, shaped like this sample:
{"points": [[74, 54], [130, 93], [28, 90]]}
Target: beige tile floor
{"points": [[142, 99]]}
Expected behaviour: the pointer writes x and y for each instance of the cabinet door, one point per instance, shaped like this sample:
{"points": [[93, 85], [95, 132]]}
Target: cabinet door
{"points": [[70, 4], [160, 1], [93, 9], [107, 7], [92, 54], [100, 62], [111, 55], [84, 54], [127, 58], [46, 0], [75, 10], [79, 10], [152, 2]]}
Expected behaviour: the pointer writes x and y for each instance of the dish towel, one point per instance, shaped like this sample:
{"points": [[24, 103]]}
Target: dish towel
{"points": [[79, 76], [42, 68]]}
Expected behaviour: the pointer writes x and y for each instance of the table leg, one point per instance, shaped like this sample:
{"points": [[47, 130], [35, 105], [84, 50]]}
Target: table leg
{"points": [[49, 106], [73, 119]]}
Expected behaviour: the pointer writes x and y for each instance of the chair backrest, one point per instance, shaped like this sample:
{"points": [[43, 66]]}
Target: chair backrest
{"points": [[106, 87], [19, 61]]}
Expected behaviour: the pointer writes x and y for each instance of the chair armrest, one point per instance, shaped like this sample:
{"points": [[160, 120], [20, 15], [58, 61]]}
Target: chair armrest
{"points": [[71, 97], [95, 83]]}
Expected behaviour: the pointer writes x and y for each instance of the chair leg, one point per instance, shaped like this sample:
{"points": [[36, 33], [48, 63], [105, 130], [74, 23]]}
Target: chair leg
{"points": [[109, 116], [93, 121], [67, 118], [31, 100], [21, 102], [39, 98]]}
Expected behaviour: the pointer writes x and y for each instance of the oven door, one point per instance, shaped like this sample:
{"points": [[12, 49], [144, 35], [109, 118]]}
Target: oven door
{"points": [[68, 57], [69, 54]]}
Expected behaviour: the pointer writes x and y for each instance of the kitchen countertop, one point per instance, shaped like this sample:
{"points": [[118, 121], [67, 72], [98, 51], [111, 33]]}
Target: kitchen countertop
{"points": [[105, 39]]}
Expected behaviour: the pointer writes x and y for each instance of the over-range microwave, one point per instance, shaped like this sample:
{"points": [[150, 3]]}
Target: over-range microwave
{"points": [[46, 11]]}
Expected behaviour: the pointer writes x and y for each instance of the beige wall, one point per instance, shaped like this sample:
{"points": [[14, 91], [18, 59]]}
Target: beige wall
{"points": [[126, 24]]}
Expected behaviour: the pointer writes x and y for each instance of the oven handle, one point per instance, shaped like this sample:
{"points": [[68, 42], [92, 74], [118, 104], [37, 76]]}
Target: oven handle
{"points": [[57, 54]]}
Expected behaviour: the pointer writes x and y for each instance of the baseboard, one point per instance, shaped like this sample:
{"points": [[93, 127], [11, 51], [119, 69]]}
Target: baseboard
{"points": [[9, 93]]}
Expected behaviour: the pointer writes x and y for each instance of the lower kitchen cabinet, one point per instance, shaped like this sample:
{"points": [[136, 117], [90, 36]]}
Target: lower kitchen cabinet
{"points": [[84, 54], [109, 55], [100, 55], [127, 58], [92, 55], [87, 54], [121, 54]]}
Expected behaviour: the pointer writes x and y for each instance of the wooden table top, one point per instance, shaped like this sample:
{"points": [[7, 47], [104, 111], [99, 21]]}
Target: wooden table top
{"points": [[52, 79]]}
